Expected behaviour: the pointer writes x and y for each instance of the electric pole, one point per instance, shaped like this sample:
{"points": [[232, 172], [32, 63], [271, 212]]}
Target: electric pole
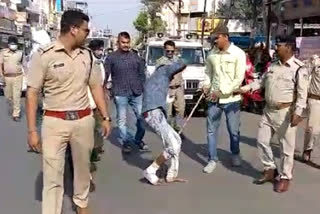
{"points": [[179, 17], [268, 4], [204, 15]]}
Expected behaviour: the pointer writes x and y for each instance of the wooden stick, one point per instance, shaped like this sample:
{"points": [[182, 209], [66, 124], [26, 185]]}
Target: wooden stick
{"points": [[191, 113]]}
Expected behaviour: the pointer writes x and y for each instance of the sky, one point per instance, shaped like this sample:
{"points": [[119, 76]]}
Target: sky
{"points": [[117, 15]]}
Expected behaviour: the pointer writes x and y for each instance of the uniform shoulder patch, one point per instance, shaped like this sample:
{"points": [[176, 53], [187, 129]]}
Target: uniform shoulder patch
{"points": [[298, 62], [46, 48]]}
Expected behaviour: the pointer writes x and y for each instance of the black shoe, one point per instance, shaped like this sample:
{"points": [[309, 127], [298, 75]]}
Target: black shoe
{"points": [[143, 147], [92, 186], [94, 156], [126, 148]]}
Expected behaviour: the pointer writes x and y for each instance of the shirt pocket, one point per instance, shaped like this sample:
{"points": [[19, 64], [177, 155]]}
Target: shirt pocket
{"points": [[59, 72], [286, 81], [229, 67]]}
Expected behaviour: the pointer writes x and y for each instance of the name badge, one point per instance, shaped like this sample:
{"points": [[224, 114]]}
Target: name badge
{"points": [[58, 65]]}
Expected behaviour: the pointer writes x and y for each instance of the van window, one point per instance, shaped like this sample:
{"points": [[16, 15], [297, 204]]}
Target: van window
{"points": [[189, 55]]}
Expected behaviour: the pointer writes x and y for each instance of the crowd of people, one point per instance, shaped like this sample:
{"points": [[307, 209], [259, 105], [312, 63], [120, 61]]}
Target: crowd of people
{"points": [[75, 84]]}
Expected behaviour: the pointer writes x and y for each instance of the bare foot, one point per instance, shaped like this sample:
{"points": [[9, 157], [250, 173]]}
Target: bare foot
{"points": [[176, 180]]}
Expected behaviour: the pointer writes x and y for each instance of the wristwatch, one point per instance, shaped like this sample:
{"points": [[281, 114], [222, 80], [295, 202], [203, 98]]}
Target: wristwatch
{"points": [[106, 119]]}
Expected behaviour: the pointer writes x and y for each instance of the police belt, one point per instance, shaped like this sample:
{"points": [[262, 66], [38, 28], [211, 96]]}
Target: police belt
{"points": [[12, 74], [68, 115], [174, 86], [279, 106], [313, 96]]}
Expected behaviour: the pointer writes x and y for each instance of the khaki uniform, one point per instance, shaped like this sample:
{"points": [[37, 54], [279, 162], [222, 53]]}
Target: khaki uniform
{"points": [[175, 93], [284, 84], [11, 63], [313, 128], [64, 80]]}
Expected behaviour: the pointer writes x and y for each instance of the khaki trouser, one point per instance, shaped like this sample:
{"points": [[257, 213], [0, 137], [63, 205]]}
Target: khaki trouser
{"points": [[12, 92], [56, 134], [312, 133], [277, 122], [179, 106]]}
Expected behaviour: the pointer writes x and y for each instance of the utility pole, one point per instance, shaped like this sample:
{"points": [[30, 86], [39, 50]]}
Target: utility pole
{"points": [[268, 4], [179, 18], [203, 20]]}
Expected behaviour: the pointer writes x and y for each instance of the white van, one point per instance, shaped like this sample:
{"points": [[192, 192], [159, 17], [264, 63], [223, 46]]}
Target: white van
{"points": [[191, 52]]}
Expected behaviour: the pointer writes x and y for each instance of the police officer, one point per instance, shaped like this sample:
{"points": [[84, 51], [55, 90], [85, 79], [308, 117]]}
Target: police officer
{"points": [[312, 133], [64, 70], [286, 87], [176, 100], [11, 69]]}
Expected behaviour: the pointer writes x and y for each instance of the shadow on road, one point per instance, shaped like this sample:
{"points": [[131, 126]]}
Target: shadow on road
{"points": [[134, 158], [196, 152], [246, 169], [249, 141]]}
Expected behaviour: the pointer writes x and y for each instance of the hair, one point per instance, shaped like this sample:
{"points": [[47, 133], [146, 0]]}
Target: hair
{"points": [[71, 18], [12, 39], [124, 34], [96, 44], [169, 43]]}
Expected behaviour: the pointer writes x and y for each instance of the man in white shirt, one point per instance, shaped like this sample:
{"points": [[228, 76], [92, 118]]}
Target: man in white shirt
{"points": [[97, 47]]}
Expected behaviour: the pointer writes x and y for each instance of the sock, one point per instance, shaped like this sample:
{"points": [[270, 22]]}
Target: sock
{"points": [[153, 167]]}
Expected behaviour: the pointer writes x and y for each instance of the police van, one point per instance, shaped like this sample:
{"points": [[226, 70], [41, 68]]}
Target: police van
{"points": [[191, 52]]}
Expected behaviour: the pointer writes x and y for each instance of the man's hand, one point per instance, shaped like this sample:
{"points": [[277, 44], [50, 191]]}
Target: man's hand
{"points": [[241, 90], [205, 90], [34, 141], [106, 128], [295, 120]]}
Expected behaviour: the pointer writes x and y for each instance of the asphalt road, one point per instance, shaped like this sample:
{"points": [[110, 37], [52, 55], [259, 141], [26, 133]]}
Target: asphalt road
{"points": [[121, 189]]}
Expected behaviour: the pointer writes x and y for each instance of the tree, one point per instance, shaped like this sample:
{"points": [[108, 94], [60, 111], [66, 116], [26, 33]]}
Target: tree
{"points": [[141, 22], [246, 10], [147, 21]]}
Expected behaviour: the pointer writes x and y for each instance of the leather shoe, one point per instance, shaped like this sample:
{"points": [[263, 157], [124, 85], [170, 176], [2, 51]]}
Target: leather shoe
{"points": [[16, 119], [282, 186], [269, 175], [306, 155]]}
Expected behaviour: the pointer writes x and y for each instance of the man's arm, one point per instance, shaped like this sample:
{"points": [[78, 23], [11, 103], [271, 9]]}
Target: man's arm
{"points": [[31, 108], [35, 83], [107, 70], [142, 68], [240, 70], [99, 98], [302, 90], [208, 75]]}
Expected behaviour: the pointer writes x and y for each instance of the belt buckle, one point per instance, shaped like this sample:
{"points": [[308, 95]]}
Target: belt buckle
{"points": [[72, 115]]}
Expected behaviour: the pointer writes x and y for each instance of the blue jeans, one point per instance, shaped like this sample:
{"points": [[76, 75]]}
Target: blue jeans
{"points": [[122, 104], [232, 112]]}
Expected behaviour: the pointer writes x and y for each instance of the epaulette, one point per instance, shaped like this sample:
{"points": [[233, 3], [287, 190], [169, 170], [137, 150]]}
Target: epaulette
{"points": [[298, 62], [44, 49]]}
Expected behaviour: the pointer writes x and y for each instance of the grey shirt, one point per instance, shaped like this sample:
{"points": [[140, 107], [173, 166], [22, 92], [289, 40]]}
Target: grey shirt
{"points": [[156, 87]]}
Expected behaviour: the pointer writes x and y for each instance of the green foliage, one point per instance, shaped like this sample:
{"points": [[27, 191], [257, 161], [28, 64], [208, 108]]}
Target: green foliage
{"points": [[147, 22]]}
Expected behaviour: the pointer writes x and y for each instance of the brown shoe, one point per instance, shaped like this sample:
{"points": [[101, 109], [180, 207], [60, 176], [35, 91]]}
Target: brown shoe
{"points": [[16, 119], [282, 186], [269, 175], [306, 155]]}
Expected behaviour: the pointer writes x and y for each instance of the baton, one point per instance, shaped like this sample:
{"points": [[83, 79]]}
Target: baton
{"points": [[191, 113]]}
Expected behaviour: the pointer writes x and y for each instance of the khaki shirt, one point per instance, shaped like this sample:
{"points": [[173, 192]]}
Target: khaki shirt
{"points": [[64, 78], [314, 87], [177, 79], [225, 72], [284, 83], [11, 62]]}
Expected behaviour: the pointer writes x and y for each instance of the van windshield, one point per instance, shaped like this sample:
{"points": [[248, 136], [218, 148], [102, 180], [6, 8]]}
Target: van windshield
{"points": [[189, 55]]}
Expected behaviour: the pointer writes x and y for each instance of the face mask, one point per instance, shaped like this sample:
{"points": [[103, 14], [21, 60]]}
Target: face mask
{"points": [[13, 47]]}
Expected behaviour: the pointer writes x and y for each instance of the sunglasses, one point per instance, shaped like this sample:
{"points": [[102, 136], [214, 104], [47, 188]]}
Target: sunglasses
{"points": [[87, 30], [170, 51]]}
